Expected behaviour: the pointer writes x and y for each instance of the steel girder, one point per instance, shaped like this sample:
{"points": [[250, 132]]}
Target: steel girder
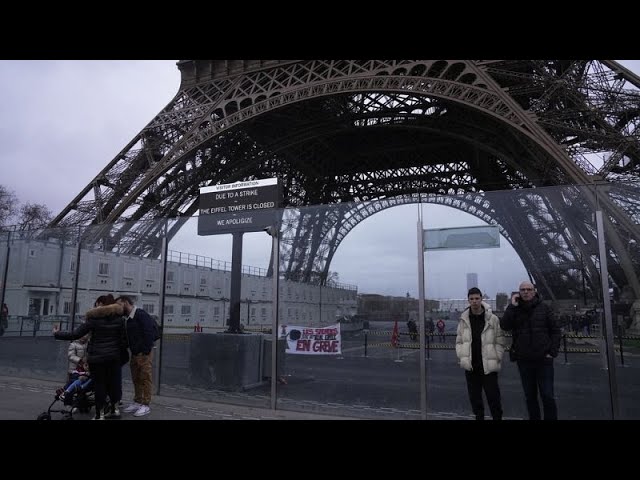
{"points": [[532, 221], [340, 131]]}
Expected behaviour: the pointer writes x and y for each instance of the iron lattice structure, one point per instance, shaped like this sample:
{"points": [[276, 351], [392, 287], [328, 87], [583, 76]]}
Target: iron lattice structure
{"points": [[364, 135]]}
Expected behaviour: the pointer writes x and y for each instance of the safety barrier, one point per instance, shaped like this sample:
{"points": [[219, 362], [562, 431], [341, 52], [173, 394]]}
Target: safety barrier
{"points": [[430, 344], [41, 326]]}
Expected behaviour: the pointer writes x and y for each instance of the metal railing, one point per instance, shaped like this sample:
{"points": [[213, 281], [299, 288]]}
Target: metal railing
{"points": [[184, 258]]}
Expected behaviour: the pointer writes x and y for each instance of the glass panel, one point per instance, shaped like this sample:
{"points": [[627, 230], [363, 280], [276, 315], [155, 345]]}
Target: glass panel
{"points": [[124, 259], [341, 270], [548, 240], [623, 265], [201, 358], [38, 292], [364, 291]]}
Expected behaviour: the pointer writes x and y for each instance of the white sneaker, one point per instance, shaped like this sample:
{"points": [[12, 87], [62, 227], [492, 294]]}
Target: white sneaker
{"points": [[115, 413], [143, 410], [132, 408]]}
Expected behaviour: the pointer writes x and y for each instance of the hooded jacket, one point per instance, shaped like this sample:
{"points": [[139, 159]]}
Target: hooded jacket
{"points": [[77, 351], [535, 331], [492, 340], [108, 334]]}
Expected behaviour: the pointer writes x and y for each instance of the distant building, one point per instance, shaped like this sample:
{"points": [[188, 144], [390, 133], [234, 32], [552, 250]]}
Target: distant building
{"points": [[472, 280], [459, 304], [41, 278], [386, 307]]}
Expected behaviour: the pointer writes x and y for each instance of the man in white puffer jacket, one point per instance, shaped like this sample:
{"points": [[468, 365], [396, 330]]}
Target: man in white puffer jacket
{"points": [[479, 346]]}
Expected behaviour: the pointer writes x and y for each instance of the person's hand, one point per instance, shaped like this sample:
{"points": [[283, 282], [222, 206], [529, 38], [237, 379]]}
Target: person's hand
{"points": [[514, 300], [56, 328]]}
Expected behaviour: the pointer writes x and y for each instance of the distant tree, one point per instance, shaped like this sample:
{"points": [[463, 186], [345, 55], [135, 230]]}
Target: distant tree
{"points": [[8, 206], [333, 278], [33, 216], [501, 301]]}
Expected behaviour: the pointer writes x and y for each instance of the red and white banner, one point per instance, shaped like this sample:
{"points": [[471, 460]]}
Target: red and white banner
{"points": [[312, 340], [395, 335]]}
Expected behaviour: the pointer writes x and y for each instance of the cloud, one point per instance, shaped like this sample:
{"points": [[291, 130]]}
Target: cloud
{"points": [[64, 121]]}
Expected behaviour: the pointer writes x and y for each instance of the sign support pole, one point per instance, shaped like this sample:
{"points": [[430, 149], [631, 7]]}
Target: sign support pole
{"points": [[236, 283], [421, 323]]}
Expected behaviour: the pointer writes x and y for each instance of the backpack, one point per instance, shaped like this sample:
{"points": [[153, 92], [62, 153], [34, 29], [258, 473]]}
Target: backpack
{"points": [[157, 329]]}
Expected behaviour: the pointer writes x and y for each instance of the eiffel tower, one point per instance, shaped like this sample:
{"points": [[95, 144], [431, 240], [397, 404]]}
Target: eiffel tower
{"points": [[365, 135]]}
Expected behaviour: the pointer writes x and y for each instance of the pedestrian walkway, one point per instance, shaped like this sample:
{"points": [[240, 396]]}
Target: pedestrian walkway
{"points": [[24, 399]]}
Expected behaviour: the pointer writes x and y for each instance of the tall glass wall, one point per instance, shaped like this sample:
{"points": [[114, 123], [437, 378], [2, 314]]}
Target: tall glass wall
{"points": [[548, 237], [623, 260], [341, 354], [349, 337]]}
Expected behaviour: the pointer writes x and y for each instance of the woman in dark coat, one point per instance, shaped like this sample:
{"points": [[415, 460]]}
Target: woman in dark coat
{"points": [[108, 338]]}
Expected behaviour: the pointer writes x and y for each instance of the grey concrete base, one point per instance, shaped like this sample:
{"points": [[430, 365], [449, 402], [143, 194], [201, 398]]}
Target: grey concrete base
{"points": [[225, 361], [634, 328]]}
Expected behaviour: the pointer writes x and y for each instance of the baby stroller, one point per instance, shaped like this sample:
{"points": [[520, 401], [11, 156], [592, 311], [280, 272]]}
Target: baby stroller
{"points": [[78, 401]]}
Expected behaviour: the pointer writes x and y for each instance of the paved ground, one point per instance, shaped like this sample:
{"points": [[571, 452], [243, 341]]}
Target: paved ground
{"points": [[24, 399]]}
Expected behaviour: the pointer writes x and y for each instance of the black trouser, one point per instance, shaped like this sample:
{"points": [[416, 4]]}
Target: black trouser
{"points": [[476, 382], [537, 376], [107, 377]]}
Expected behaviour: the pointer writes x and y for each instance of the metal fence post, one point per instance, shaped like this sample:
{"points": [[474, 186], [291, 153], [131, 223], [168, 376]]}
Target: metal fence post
{"points": [[74, 293], [5, 274], [365, 343], [564, 341], [163, 289], [620, 342], [607, 322]]}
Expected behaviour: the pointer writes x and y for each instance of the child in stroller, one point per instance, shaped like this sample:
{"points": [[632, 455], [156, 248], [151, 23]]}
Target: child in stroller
{"points": [[78, 390], [75, 397], [79, 382]]}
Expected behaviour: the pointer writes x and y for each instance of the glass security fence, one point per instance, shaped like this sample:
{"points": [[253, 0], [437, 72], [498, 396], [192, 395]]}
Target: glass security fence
{"points": [[344, 317], [216, 345], [350, 338], [546, 240], [623, 262], [39, 272]]}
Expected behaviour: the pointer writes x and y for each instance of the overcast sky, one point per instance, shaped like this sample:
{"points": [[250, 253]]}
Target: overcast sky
{"points": [[62, 121]]}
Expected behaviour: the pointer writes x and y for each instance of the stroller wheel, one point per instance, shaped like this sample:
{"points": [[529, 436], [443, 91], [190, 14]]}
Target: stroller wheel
{"points": [[44, 416]]}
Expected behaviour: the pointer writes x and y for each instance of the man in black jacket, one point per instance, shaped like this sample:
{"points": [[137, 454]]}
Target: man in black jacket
{"points": [[141, 335], [536, 341]]}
